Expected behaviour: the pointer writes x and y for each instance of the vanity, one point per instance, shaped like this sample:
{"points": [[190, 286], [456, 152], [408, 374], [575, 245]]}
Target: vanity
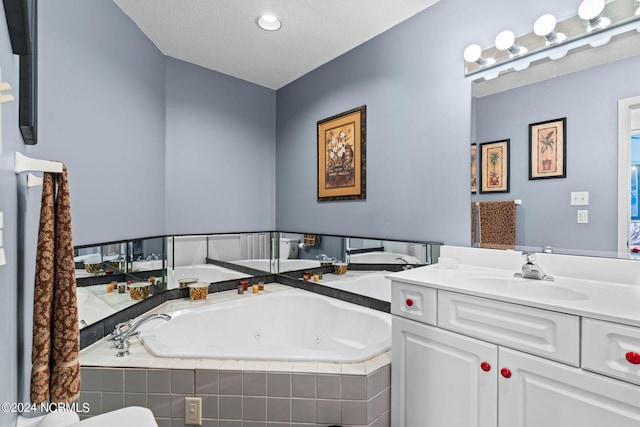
{"points": [[472, 345]]}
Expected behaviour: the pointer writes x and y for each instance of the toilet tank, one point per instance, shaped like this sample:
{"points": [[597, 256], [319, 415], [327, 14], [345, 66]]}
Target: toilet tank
{"points": [[288, 248]]}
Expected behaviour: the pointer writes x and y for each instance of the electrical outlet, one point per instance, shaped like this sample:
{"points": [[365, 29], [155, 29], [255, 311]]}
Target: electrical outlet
{"points": [[583, 217], [1, 220], [193, 410], [3, 258], [579, 198]]}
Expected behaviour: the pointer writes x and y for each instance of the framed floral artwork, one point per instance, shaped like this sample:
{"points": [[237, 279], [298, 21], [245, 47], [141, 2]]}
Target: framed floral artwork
{"points": [[548, 149], [494, 166], [342, 156], [474, 168]]}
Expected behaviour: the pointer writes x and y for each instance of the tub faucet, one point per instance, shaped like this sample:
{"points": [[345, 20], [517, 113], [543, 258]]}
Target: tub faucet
{"points": [[405, 263], [531, 270], [121, 337]]}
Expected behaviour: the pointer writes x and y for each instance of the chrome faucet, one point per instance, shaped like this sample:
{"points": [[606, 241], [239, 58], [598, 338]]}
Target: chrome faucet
{"points": [[405, 263], [531, 270], [121, 337]]}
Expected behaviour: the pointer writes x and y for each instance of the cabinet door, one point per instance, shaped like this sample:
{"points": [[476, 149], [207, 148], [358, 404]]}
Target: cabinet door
{"points": [[542, 393], [438, 378]]}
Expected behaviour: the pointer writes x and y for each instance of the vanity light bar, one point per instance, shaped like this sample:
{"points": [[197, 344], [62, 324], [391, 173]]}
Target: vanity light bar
{"points": [[620, 16]]}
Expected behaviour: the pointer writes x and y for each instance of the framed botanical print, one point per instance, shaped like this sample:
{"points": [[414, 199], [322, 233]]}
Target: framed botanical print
{"points": [[342, 156], [494, 167], [548, 149]]}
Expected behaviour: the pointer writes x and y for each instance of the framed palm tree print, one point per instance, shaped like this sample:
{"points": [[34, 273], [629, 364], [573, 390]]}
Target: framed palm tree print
{"points": [[548, 149], [494, 166]]}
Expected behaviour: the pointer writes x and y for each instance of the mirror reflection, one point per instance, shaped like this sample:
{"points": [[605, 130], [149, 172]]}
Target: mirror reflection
{"points": [[357, 265], [111, 277], [106, 273], [585, 87]]}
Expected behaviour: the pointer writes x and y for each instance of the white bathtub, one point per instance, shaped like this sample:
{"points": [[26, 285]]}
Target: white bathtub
{"points": [[291, 325], [382, 258], [285, 264], [374, 285], [208, 273]]}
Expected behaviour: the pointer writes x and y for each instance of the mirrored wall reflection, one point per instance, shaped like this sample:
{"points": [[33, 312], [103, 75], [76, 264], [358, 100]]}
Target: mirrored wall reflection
{"points": [[217, 257], [106, 273], [113, 276], [355, 265]]}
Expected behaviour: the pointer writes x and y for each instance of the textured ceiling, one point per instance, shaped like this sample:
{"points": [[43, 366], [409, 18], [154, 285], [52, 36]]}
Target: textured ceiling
{"points": [[222, 35]]}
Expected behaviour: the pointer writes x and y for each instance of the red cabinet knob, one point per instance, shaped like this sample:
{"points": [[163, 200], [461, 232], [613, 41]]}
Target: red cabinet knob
{"points": [[409, 302], [485, 366], [633, 357], [505, 373]]}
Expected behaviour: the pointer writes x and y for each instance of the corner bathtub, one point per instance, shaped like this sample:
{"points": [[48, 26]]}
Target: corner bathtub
{"points": [[208, 273], [290, 325], [374, 285]]}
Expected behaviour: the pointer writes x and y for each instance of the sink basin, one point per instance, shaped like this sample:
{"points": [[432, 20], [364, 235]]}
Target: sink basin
{"points": [[527, 288]]}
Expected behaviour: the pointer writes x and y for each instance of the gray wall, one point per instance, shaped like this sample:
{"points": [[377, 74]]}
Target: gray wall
{"points": [[589, 101], [11, 142], [220, 152], [101, 111], [418, 124]]}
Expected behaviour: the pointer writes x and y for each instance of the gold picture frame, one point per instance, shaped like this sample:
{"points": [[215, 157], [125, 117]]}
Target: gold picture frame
{"points": [[548, 149], [342, 156], [494, 166]]}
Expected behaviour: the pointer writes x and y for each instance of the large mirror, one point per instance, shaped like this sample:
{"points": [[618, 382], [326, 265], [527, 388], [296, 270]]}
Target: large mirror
{"points": [[107, 273], [585, 88], [355, 265]]}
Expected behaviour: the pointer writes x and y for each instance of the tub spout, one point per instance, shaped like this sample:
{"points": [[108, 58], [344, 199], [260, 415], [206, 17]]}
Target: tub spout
{"points": [[121, 338]]}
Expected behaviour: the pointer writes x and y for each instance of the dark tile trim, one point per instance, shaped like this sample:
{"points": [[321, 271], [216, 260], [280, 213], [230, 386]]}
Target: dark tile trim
{"points": [[328, 291]]}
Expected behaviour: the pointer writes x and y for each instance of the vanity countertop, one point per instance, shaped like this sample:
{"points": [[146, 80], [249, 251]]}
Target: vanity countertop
{"points": [[615, 302]]}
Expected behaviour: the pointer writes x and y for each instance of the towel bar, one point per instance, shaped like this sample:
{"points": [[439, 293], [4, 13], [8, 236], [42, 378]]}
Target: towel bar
{"points": [[516, 202], [26, 164]]}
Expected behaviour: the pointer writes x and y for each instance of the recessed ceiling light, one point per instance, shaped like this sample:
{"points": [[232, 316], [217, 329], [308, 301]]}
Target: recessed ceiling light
{"points": [[268, 22]]}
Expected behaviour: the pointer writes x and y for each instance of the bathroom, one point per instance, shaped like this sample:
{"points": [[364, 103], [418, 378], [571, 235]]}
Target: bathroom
{"points": [[127, 122]]}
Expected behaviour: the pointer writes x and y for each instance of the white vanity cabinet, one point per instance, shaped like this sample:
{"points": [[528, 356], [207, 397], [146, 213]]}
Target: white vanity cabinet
{"points": [[494, 363], [438, 378]]}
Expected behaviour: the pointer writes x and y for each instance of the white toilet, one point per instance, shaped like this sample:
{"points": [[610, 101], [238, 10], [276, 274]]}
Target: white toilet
{"points": [[131, 416], [288, 248]]}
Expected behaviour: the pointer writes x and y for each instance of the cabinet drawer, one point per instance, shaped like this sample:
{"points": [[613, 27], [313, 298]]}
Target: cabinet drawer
{"points": [[414, 302], [545, 333], [611, 349]]}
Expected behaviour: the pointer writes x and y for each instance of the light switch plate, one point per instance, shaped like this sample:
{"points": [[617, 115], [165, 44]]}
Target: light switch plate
{"points": [[193, 410], [579, 198], [1, 220], [3, 258], [1, 241], [583, 217]]}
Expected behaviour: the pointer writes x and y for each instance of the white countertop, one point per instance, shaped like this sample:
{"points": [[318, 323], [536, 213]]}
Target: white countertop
{"points": [[615, 302]]}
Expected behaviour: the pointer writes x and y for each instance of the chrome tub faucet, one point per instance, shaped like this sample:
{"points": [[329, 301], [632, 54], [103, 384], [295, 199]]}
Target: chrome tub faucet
{"points": [[120, 336]]}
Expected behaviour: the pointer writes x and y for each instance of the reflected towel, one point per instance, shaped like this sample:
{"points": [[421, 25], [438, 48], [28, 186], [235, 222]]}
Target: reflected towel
{"points": [[474, 223], [498, 225], [55, 373]]}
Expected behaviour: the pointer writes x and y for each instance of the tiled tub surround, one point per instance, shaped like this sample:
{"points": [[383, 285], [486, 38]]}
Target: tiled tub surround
{"points": [[237, 393]]}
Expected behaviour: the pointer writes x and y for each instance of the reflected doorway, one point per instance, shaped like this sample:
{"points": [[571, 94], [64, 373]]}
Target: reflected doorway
{"points": [[628, 173]]}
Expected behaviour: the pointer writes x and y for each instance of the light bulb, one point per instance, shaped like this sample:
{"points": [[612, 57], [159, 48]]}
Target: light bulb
{"points": [[472, 53], [268, 22], [545, 27], [590, 11], [505, 40]]}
